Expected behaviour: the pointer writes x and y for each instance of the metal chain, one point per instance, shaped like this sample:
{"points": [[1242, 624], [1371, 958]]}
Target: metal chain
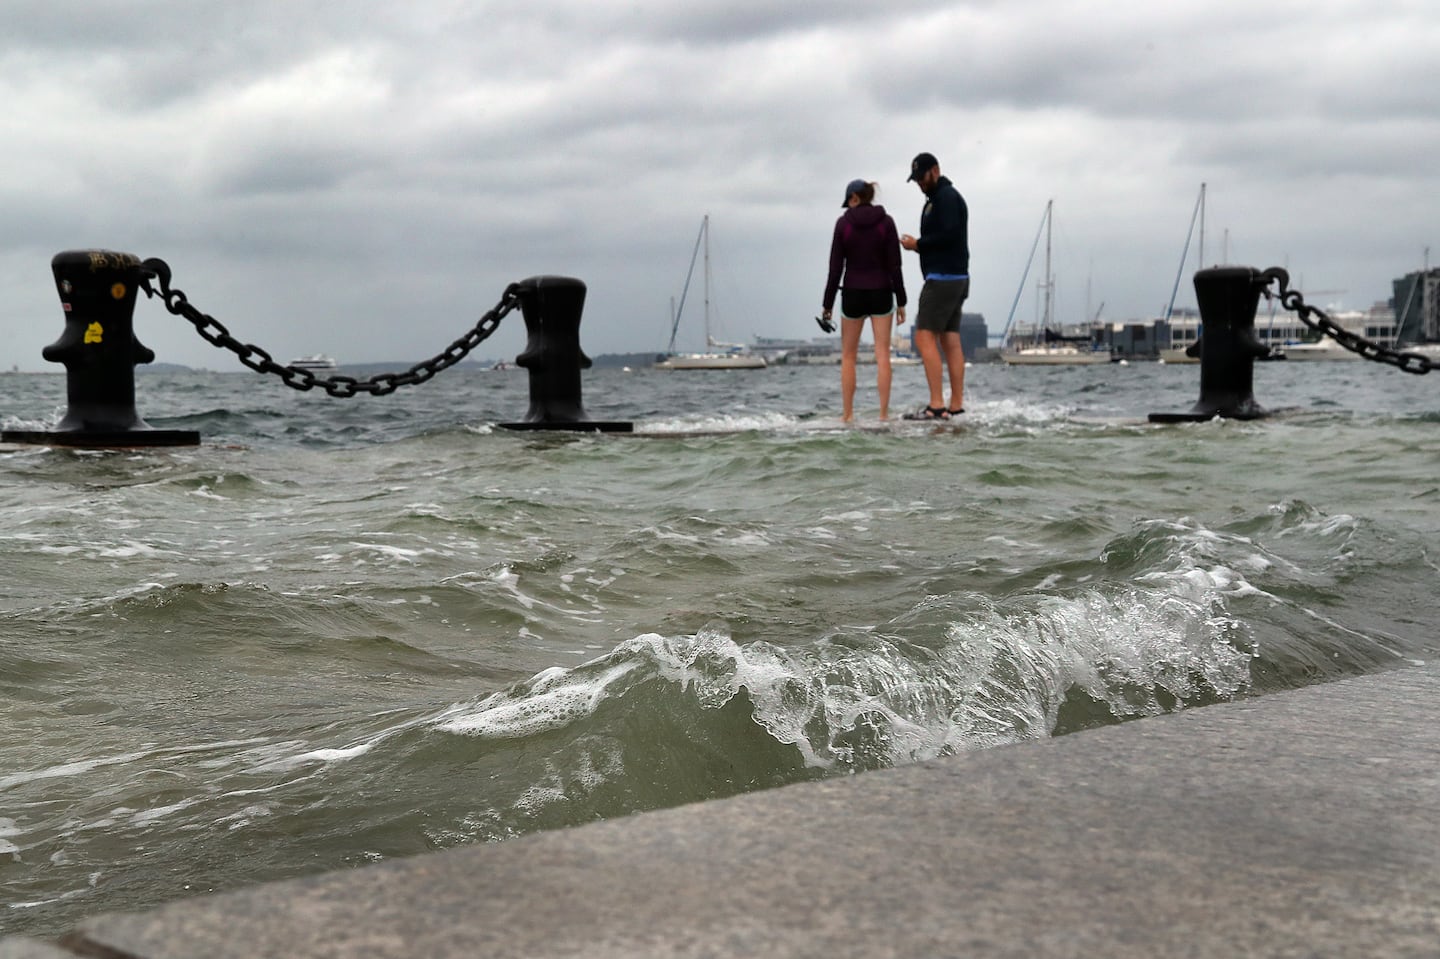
{"points": [[1317, 319], [257, 359]]}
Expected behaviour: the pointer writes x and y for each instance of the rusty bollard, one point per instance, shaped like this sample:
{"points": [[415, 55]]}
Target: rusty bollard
{"points": [[1227, 297], [551, 306], [99, 350]]}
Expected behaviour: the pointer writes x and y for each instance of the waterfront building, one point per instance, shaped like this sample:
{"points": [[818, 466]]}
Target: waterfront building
{"points": [[1417, 307]]}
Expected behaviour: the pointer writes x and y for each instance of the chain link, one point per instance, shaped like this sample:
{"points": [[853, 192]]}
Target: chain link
{"points": [[257, 359], [1318, 320]]}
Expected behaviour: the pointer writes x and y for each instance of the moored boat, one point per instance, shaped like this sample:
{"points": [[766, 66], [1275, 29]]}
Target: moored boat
{"points": [[316, 362], [719, 356], [1054, 356], [1046, 346]]}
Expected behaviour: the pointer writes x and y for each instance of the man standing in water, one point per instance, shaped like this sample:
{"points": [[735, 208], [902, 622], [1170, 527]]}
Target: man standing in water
{"points": [[944, 248]]}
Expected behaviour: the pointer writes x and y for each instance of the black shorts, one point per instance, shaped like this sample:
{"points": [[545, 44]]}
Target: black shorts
{"points": [[940, 304], [858, 304]]}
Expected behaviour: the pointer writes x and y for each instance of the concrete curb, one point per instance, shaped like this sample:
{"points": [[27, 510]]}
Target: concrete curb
{"points": [[1304, 823]]}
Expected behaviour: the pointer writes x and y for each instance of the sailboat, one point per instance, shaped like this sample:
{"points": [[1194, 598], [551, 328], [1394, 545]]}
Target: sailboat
{"points": [[1185, 348], [315, 362], [720, 356], [1050, 348]]}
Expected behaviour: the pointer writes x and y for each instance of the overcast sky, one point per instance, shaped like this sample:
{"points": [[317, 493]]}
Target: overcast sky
{"points": [[364, 178]]}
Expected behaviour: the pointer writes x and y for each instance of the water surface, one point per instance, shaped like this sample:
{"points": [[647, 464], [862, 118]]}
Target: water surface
{"points": [[347, 630]]}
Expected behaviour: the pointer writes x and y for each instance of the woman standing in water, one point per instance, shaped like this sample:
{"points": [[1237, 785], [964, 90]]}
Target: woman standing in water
{"points": [[865, 250]]}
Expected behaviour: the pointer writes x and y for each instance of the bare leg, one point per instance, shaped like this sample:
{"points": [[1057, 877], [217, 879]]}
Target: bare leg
{"points": [[927, 345], [955, 360], [880, 327], [849, 350]]}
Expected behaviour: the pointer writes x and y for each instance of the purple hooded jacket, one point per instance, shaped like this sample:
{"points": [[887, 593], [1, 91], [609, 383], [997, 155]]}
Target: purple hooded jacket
{"points": [[866, 249]]}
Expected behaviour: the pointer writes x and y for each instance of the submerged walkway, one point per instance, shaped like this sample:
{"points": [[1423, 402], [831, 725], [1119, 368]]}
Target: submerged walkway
{"points": [[1304, 823]]}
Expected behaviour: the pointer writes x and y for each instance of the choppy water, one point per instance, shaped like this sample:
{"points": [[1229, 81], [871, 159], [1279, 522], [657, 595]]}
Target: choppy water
{"points": [[346, 630]]}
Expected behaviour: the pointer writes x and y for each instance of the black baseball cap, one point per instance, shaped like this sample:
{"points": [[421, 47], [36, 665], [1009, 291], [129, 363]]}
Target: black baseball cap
{"points": [[921, 165], [854, 186]]}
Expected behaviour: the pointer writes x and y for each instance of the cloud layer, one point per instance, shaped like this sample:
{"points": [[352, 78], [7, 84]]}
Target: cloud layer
{"points": [[365, 178]]}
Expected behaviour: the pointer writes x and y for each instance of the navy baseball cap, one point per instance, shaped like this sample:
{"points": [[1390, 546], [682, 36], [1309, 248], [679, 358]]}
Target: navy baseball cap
{"points": [[921, 165], [854, 186]]}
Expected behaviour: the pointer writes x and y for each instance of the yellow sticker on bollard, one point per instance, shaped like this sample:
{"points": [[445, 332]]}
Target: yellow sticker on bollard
{"points": [[109, 260], [94, 333]]}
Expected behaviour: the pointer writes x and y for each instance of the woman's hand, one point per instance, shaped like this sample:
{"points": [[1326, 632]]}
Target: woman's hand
{"points": [[899, 316]]}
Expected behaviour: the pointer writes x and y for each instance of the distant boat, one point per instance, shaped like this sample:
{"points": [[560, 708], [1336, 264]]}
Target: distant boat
{"points": [[1185, 348], [316, 362], [1323, 349], [1055, 356], [1051, 348], [720, 356]]}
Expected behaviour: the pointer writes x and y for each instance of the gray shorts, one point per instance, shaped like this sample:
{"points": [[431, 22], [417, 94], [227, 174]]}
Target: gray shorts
{"points": [[940, 305]]}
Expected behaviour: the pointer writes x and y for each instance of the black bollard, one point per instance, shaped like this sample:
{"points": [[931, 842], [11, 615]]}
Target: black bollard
{"points": [[1227, 296], [98, 347], [551, 306]]}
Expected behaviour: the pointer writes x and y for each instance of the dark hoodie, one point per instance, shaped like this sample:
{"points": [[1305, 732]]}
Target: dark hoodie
{"points": [[866, 249]]}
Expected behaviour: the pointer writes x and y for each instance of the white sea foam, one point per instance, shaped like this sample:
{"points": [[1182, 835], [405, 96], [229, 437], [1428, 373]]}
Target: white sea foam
{"points": [[146, 816], [728, 423], [244, 817], [384, 551], [76, 768], [849, 516], [334, 755], [1015, 411], [581, 773], [508, 581], [8, 828], [552, 700]]}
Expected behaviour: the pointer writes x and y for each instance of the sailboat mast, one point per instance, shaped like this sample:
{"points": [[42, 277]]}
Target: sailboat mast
{"points": [[1049, 279], [675, 314], [705, 228], [1198, 214], [1024, 277], [1202, 226]]}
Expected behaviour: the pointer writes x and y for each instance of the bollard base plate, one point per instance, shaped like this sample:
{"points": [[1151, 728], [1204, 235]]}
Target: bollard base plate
{"points": [[1205, 417], [586, 426], [101, 439]]}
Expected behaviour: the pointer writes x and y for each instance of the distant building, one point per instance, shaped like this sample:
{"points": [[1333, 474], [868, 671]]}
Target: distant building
{"points": [[1417, 307], [783, 350], [974, 334], [1135, 341]]}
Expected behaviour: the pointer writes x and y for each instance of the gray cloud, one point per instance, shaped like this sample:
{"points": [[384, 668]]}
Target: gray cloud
{"points": [[365, 177]]}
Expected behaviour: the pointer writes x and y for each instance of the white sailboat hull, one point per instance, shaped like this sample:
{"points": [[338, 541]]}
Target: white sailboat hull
{"points": [[729, 356], [1326, 349], [317, 362], [1054, 356], [712, 361]]}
